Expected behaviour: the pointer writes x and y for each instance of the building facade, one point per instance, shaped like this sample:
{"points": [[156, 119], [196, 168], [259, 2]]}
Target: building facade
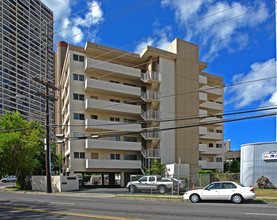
{"points": [[22, 57], [114, 102], [258, 159]]}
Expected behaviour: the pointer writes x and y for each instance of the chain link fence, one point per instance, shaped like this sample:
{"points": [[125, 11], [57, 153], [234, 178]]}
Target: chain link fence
{"points": [[177, 184]]}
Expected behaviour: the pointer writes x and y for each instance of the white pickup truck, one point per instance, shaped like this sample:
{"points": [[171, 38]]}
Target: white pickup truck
{"points": [[152, 182]]}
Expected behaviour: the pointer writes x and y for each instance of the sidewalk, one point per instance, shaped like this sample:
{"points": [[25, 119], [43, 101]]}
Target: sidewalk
{"points": [[100, 194]]}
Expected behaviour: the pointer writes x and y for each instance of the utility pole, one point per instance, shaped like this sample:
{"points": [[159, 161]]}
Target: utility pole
{"points": [[47, 115]]}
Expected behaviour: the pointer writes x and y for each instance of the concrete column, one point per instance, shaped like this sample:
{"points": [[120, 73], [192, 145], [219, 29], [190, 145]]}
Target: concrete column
{"points": [[122, 179]]}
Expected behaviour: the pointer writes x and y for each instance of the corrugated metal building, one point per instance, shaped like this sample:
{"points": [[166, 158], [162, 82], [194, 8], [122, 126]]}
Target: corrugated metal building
{"points": [[258, 159]]}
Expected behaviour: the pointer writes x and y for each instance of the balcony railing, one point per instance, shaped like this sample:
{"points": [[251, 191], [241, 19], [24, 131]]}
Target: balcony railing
{"points": [[151, 153], [150, 115], [148, 135], [151, 76], [150, 95]]}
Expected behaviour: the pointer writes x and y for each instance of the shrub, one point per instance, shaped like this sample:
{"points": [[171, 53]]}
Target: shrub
{"points": [[263, 182]]}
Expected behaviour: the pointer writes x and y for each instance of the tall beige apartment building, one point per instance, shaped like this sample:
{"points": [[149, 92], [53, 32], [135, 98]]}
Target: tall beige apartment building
{"points": [[22, 56], [107, 92]]}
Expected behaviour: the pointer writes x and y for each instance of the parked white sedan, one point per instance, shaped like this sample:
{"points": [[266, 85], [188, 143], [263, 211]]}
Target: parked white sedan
{"points": [[223, 190]]}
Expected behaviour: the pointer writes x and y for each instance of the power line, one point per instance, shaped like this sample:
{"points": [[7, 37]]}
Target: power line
{"points": [[180, 35], [86, 30], [185, 93], [107, 134], [86, 22], [98, 4], [183, 25], [220, 115]]}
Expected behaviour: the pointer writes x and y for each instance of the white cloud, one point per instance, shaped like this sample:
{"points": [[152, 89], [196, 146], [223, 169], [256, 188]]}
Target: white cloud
{"points": [[140, 47], [217, 36], [263, 91], [76, 23]]}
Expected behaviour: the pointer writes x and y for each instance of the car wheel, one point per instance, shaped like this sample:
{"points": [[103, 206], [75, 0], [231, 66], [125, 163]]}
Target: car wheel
{"points": [[3, 181], [132, 189], [194, 198], [95, 183], [237, 199], [162, 189]]}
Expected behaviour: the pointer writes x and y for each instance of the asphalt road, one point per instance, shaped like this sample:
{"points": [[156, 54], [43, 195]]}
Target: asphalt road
{"points": [[36, 206]]}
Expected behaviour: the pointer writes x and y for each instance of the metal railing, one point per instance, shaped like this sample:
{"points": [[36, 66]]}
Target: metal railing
{"points": [[151, 75], [150, 114]]}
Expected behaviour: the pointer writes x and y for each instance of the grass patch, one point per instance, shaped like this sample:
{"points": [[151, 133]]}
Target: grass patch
{"points": [[266, 192]]}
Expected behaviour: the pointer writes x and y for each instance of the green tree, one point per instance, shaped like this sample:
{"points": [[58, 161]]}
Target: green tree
{"points": [[19, 146], [232, 166], [157, 168]]}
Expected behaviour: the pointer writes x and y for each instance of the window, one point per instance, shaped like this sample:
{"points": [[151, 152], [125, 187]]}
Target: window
{"points": [[130, 157], [78, 116], [219, 159], [143, 179], [130, 139], [211, 145], [115, 156], [211, 130], [80, 155], [211, 159], [228, 186], [94, 117], [78, 77], [94, 155], [114, 119], [115, 138], [218, 145], [78, 58], [151, 179], [219, 131], [200, 158], [213, 186], [129, 120], [112, 81], [78, 97], [130, 102], [128, 84], [115, 100]]}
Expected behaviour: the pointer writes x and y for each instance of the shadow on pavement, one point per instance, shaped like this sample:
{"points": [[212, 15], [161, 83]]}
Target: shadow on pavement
{"points": [[16, 210]]}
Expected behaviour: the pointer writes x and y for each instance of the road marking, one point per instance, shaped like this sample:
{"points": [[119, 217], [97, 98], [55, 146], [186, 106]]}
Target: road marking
{"points": [[63, 203], [70, 213], [260, 214]]}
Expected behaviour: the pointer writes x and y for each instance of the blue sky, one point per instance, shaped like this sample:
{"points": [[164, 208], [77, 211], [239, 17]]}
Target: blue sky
{"points": [[237, 44]]}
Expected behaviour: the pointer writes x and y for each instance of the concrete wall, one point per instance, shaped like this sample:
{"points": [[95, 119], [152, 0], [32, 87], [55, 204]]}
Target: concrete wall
{"points": [[253, 165], [59, 183]]}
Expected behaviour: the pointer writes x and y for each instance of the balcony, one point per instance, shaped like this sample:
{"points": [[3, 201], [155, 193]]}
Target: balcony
{"points": [[212, 151], [150, 115], [212, 105], [112, 164], [212, 90], [105, 87], [151, 77], [106, 106], [203, 147], [203, 97], [150, 135], [112, 145], [151, 153], [150, 96], [111, 125], [203, 130], [202, 80], [103, 67], [211, 165], [212, 119], [213, 136]]}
